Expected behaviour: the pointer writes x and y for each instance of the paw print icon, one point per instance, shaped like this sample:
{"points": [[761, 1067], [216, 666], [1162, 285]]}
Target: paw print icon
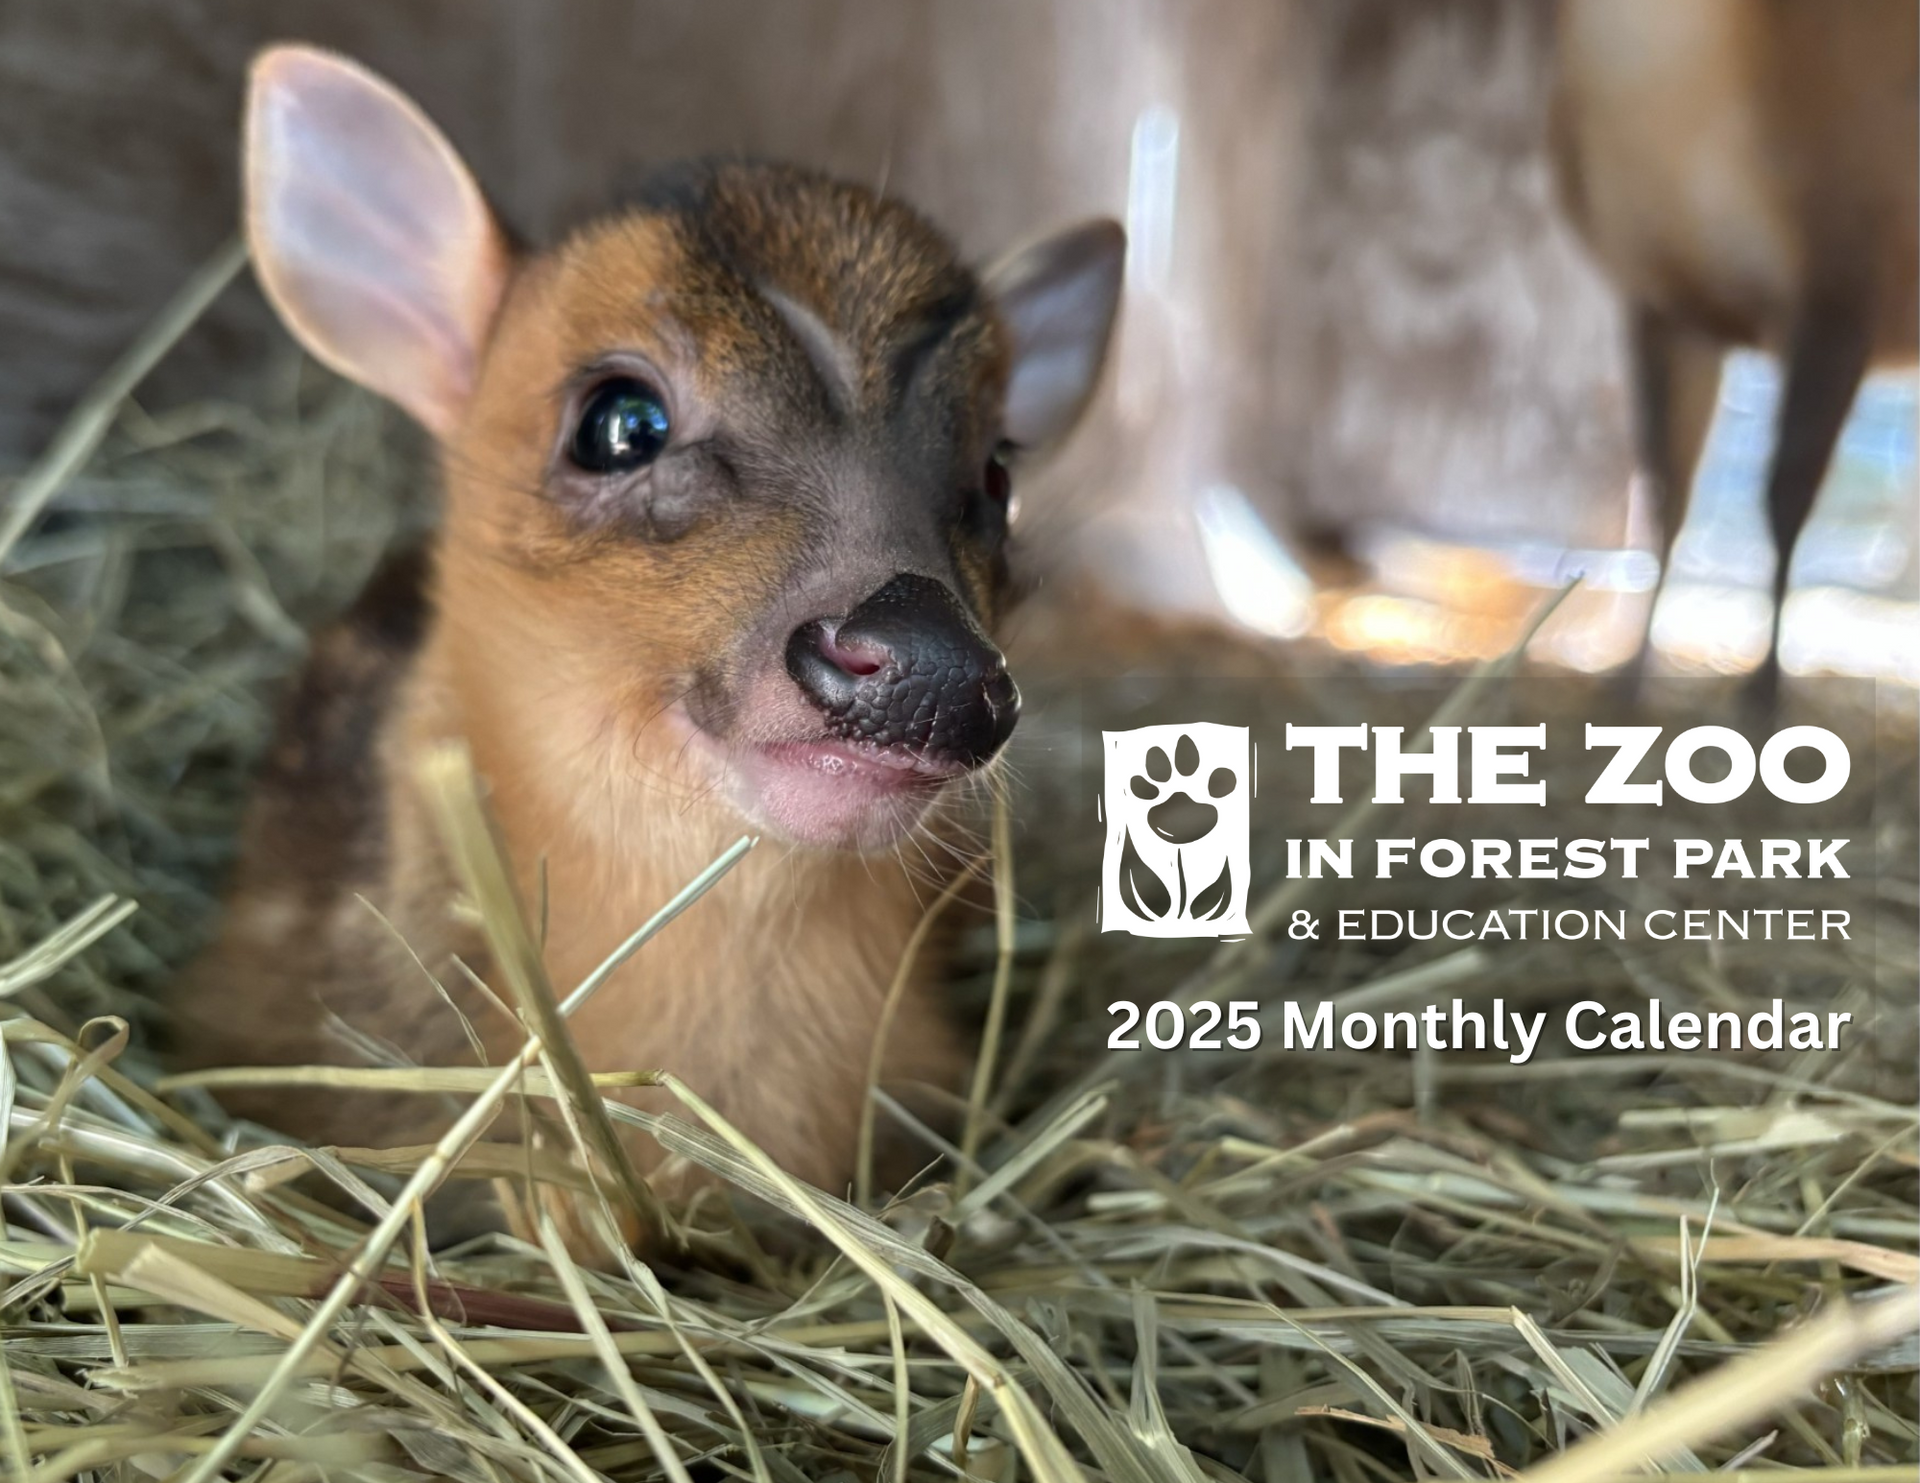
{"points": [[1180, 817], [1175, 807]]}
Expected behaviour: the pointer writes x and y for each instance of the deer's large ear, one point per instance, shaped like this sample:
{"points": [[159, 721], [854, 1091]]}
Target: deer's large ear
{"points": [[1057, 299], [367, 232]]}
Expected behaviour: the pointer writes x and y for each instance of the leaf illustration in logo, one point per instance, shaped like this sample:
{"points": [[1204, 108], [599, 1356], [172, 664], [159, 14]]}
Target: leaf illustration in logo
{"points": [[1212, 901], [1144, 892]]}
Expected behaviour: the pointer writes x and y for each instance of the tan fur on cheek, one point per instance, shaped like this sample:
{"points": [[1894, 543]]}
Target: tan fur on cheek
{"points": [[551, 599]]}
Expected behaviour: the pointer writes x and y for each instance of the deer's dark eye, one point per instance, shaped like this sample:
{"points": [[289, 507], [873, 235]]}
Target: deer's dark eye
{"points": [[623, 426]]}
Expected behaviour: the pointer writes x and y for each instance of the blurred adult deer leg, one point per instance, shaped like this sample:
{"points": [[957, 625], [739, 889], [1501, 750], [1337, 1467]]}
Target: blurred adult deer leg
{"points": [[1676, 385], [1826, 361]]}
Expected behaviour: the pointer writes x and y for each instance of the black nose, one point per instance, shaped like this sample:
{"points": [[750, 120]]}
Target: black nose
{"points": [[908, 668]]}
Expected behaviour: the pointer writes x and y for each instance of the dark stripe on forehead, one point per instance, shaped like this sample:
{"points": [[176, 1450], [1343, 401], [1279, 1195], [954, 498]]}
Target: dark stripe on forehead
{"points": [[932, 329]]}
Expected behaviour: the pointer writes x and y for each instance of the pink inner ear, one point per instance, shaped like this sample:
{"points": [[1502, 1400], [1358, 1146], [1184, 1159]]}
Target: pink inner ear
{"points": [[370, 236]]}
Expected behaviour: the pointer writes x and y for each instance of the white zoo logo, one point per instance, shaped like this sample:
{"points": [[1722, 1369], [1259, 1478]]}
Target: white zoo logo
{"points": [[1175, 806]]}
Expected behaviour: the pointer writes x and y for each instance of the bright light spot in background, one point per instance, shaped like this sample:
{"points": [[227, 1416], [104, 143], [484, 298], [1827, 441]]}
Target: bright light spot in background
{"points": [[1410, 630], [1153, 182], [1261, 585], [1854, 610], [1443, 603], [1418, 563], [1721, 630], [1832, 630], [1842, 617]]}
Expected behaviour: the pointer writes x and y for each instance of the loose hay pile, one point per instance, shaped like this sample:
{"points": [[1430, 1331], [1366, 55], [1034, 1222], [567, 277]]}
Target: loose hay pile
{"points": [[1353, 1266]]}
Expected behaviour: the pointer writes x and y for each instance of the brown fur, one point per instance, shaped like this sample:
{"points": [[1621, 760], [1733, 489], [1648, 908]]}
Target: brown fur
{"points": [[1746, 172], [551, 638]]}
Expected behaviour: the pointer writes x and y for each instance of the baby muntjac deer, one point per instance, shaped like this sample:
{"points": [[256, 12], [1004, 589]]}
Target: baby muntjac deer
{"points": [[1746, 173], [724, 534]]}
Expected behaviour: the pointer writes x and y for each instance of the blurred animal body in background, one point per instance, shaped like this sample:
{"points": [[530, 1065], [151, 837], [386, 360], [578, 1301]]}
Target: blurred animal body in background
{"points": [[1746, 173]]}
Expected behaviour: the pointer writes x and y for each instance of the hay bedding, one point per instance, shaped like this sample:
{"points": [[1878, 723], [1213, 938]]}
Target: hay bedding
{"points": [[1358, 1266]]}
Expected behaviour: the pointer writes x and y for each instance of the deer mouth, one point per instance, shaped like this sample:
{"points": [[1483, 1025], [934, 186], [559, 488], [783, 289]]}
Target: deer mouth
{"points": [[822, 791], [837, 794], [898, 767]]}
